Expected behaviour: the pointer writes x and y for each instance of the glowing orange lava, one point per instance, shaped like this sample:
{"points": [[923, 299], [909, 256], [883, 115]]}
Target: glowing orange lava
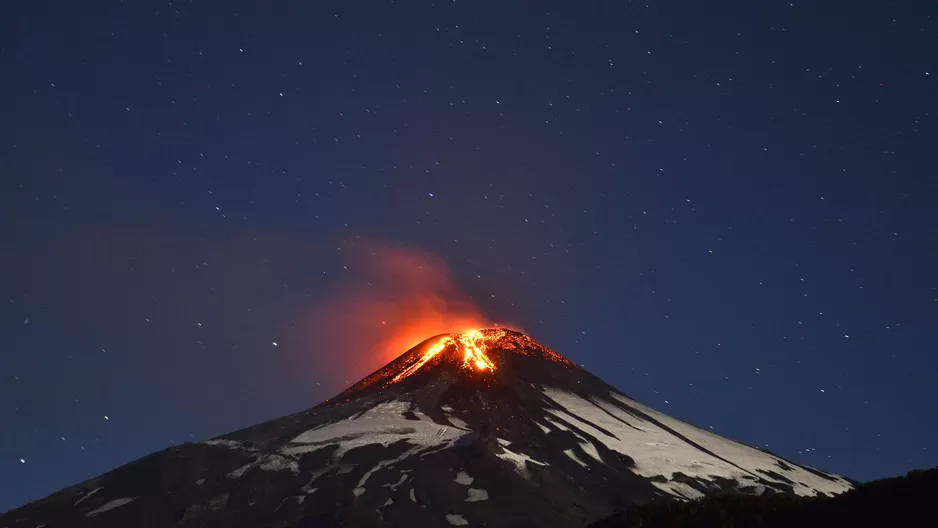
{"points": [[470, 350], [472, 344]]}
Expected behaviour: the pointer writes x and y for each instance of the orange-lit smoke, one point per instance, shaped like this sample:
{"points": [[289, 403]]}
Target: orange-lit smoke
{"points": [[397, 298]]}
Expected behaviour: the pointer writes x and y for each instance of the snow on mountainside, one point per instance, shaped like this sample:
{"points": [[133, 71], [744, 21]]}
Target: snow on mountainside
{"points": [[465, 429], [663, 446]]}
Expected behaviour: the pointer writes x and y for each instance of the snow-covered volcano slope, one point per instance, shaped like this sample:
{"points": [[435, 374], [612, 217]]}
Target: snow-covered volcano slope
{"points": [[490, 428]]}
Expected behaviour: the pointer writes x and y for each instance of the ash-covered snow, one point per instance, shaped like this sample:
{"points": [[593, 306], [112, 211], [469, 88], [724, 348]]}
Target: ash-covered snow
{"points": [[572, 454], [384, 424], [659, 452], [590, 450], [237, 473], [585, 445], [557, 424], [278, 463], [476, 495], [219, 501], [85, 496], [384, 464], [268, 462], [456, 520], [108, 506], [397, 484], [518, 459], [457, 422], [230, 444]]}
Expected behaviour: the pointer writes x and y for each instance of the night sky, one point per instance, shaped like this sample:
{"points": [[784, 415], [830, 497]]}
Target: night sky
{"points": [[217, 213]]}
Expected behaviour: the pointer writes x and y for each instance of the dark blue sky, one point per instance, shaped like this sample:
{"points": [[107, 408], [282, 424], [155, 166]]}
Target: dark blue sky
{"points": [[726, 209]]}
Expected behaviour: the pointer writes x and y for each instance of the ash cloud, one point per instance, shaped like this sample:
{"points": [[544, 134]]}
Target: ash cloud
{"points": [[395, 298]]}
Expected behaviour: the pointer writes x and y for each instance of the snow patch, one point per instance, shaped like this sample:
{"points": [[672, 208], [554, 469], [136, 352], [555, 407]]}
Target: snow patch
{"points": [[413, 498], [382, 424], [223, 442], [268, 462], [476, 495], [749, 458], [108, 506], [557, 424], [456, 520], [590, 450], [217, 503], [308, 487], [386, 463], [586, 445], [463, 478], [298, 498], [458, 422], [85, 496], [678, 489], [518, 459], [302, 449], [572, 454], [279, 463], [240, 471], [396, 484], [659, 452]]}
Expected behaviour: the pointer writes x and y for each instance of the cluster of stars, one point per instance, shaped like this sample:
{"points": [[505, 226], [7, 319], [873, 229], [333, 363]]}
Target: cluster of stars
{"points": [[729, 219]]}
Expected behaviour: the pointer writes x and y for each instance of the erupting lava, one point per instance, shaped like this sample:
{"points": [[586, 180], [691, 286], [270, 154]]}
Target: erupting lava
{"points": [[472, 344], [476, 351]]}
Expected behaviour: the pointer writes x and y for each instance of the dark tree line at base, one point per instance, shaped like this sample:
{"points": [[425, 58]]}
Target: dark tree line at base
{"points": [[910, 500]]}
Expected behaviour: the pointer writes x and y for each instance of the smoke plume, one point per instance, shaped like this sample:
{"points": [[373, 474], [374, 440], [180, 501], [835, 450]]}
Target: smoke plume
{"points": [[396, 298]]}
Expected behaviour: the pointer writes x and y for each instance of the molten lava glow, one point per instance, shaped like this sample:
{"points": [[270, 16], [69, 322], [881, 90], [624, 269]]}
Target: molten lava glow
{"points": [[471, 350], [472, 345]]}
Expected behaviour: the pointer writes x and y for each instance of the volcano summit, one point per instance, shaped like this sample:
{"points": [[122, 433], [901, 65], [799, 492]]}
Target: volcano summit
{"points": [[487, 428]]}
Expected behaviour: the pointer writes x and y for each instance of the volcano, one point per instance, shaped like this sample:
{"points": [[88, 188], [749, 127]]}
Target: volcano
{"points": [[488, 428]]}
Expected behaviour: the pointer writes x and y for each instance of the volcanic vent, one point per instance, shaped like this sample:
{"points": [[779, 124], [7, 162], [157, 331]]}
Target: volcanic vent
{"points": [[483, 428], [475, 352]]}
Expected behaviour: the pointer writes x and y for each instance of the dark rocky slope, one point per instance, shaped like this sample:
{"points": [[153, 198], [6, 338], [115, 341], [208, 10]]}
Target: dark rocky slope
{"points": [[911, 500], [487, 429]]}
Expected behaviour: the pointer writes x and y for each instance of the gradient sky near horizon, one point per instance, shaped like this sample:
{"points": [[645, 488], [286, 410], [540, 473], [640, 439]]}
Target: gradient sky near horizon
{"points": [[216, 213]]}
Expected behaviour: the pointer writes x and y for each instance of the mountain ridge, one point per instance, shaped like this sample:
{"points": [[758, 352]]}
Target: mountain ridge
{"points": [[487, 427], [905, 500]]}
